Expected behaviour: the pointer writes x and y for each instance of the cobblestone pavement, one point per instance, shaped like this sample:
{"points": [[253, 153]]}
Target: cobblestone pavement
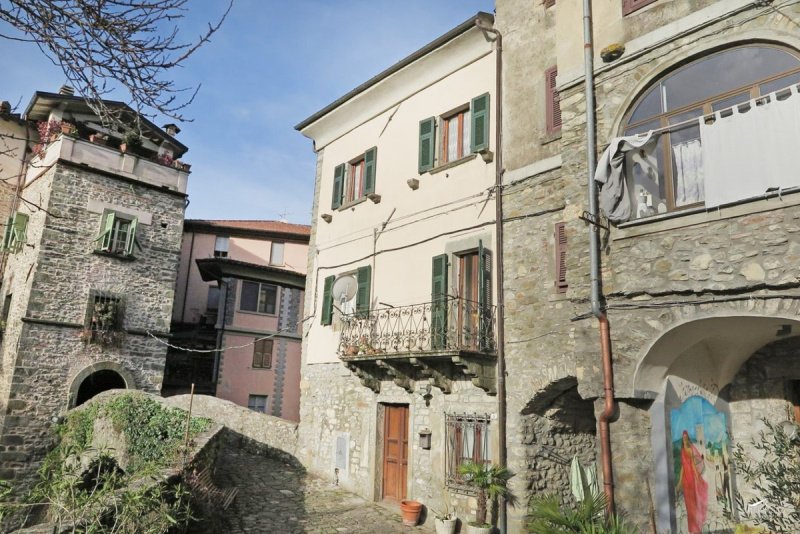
{"points": [[276, 497]]}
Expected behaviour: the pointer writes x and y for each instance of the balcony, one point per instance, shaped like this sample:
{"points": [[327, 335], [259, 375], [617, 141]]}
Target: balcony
{"points": [[436, 341]]}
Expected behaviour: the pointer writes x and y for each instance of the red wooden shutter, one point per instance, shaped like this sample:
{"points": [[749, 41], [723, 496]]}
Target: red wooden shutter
{"points": [[561, 257], [629, 6], [553, 105], [550, 3]]}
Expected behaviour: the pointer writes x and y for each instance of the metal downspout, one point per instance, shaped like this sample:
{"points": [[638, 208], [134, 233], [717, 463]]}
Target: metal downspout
{"points": [[594, 260], [502, 519]]}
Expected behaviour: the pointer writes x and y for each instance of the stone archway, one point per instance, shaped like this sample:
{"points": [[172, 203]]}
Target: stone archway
{"points": [[97, 378]]}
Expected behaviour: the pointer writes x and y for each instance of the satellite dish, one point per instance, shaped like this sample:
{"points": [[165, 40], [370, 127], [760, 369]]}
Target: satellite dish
{"points": [[344, 288]]}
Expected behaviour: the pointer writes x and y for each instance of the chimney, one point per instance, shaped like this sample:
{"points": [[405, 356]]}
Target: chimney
{"points": [[171, 129], [5, 107], [66, 90]]}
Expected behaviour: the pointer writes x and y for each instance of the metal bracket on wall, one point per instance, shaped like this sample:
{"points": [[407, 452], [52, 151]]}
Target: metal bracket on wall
{"points": [[596, 220]]}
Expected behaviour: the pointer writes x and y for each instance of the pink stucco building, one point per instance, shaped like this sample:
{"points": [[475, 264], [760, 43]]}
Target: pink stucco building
{"points": [[238, 314]]}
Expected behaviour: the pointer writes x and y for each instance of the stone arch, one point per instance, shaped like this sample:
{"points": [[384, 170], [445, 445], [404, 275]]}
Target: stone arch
{"points": [[769, 36], [103, 376]]}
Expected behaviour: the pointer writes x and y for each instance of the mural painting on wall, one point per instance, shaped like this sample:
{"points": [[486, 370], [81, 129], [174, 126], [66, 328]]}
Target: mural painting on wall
{"points": [[701, 460]]}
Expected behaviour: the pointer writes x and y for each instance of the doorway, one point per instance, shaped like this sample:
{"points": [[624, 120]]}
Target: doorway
{"points": [[395, 452], [98, 382]]}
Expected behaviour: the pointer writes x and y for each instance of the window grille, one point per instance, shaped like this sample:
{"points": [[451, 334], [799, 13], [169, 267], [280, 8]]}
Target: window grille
{"points": [[105, 312], [466, 439]]}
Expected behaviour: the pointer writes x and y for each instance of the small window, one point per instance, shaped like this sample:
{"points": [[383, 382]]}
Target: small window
{"points": [[466, 440], [276, 254], [257, 403], [354, 180], [221, 247], [258, 298], [455, 138], [104, 319], [262, 354], [118, 234], [213, 298]]}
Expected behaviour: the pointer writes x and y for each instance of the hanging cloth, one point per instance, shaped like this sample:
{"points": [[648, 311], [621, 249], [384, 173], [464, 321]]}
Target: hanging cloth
{"points": [[610, 174]]}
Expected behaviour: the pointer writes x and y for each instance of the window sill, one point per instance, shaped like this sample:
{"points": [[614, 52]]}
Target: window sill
{"points": [[351, 204], [550, 137], [702, 215], [261, 368], [122, 257], [248, 312], [451, 164]]}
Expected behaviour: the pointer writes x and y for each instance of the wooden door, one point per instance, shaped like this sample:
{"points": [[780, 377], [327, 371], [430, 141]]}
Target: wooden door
{"points": [[395, 452]]}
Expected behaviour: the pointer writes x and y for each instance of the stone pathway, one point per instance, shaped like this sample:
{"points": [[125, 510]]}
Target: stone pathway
{"points": [[275, 497]]}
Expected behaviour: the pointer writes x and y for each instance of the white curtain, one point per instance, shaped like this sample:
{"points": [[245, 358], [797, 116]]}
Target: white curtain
{"points": [[748, 152], [688, 172]]}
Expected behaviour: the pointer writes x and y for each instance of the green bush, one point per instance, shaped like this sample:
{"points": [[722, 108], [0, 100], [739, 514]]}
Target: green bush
{"points": [[549, 516]]}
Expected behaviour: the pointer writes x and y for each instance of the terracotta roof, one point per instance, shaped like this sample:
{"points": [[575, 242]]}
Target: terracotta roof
{"points": [[273, 227]]}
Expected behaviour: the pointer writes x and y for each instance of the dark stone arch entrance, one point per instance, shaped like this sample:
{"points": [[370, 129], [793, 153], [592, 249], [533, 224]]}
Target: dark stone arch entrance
{"points": [[97, 383]]}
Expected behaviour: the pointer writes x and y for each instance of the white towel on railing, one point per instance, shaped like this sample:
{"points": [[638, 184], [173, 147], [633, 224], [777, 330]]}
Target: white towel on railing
{"points": [[748, 152]]}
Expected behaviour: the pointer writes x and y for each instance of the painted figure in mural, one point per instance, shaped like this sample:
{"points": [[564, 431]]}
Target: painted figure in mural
{"points": [[691, 483]]}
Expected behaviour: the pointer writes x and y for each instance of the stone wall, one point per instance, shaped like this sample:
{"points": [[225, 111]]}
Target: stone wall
{"points": [[51, 279]]}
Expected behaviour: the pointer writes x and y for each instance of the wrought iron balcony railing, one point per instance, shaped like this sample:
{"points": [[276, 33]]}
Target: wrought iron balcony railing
{"points": [[447, 325]]}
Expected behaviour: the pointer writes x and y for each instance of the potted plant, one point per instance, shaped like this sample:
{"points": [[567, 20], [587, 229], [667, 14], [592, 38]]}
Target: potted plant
{"points": [[490, 482], [444, 520], [410, 511], [131, 141]]}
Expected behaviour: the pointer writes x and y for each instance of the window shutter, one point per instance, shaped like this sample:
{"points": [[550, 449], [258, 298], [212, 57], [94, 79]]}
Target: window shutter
{"points": [[258, 355], [105, 235], [7, 233], [486, 334], [629, 6], [550, 3], [19, 229], [370, 158], [479, 113], [362, 297], [130, 240], [439, 302], [427, 141], [561, 257], [553, 104], [338, 186], [327, 301]]}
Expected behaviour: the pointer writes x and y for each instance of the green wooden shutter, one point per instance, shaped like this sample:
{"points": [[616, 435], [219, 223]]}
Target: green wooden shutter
{"points": [[370, 159], [7, 233], [427, 143], [439, 303], [479, 113], [19, 232], [105, 235], [486, 330], [362, 297], [338, 186], [327, 301], [130, 240]]}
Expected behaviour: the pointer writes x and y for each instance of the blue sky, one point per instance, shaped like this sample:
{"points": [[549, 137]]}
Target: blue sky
{"points": [[271, 65]]}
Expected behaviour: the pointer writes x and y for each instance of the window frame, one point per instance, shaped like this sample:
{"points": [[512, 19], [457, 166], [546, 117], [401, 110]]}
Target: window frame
{"points": [[706, 104], [455, 425], [282, 246], [263, 362], [260, 285], [441, 140], [113, 230], [252, 405]]}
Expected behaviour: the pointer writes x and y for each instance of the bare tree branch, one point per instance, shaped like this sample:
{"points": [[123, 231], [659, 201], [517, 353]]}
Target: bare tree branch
{"points": [[102, 44]]}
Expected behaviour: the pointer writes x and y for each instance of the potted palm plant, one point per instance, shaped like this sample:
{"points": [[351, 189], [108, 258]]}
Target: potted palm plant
{"points": [[490, 482]]}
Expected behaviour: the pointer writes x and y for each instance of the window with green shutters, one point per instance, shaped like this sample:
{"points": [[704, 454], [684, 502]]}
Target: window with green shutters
{"points": [[355, 179], [15, 234], [439, 302], [461, 132], [118, 234]]}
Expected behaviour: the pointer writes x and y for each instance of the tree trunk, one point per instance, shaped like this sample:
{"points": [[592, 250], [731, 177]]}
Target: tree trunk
{"points": [[480, 514]]}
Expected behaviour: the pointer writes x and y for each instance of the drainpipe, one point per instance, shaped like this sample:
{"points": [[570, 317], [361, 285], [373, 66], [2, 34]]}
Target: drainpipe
{"points": [[502, 520], [594, 260]]}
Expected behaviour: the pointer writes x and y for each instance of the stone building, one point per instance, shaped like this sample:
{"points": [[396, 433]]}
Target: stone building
{"points": [[93, 247], [398, 381], [699, 278], [238, 313]]}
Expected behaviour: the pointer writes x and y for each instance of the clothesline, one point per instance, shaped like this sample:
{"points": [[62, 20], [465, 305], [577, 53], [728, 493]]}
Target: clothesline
{"points": [[752, 102]]}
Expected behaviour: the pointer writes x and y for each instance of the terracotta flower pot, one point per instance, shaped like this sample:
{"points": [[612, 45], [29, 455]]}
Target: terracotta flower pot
{"points": [[410, 511]]}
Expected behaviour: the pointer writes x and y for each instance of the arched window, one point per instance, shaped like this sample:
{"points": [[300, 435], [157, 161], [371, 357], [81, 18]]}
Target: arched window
{"points": [[670, 176]]}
